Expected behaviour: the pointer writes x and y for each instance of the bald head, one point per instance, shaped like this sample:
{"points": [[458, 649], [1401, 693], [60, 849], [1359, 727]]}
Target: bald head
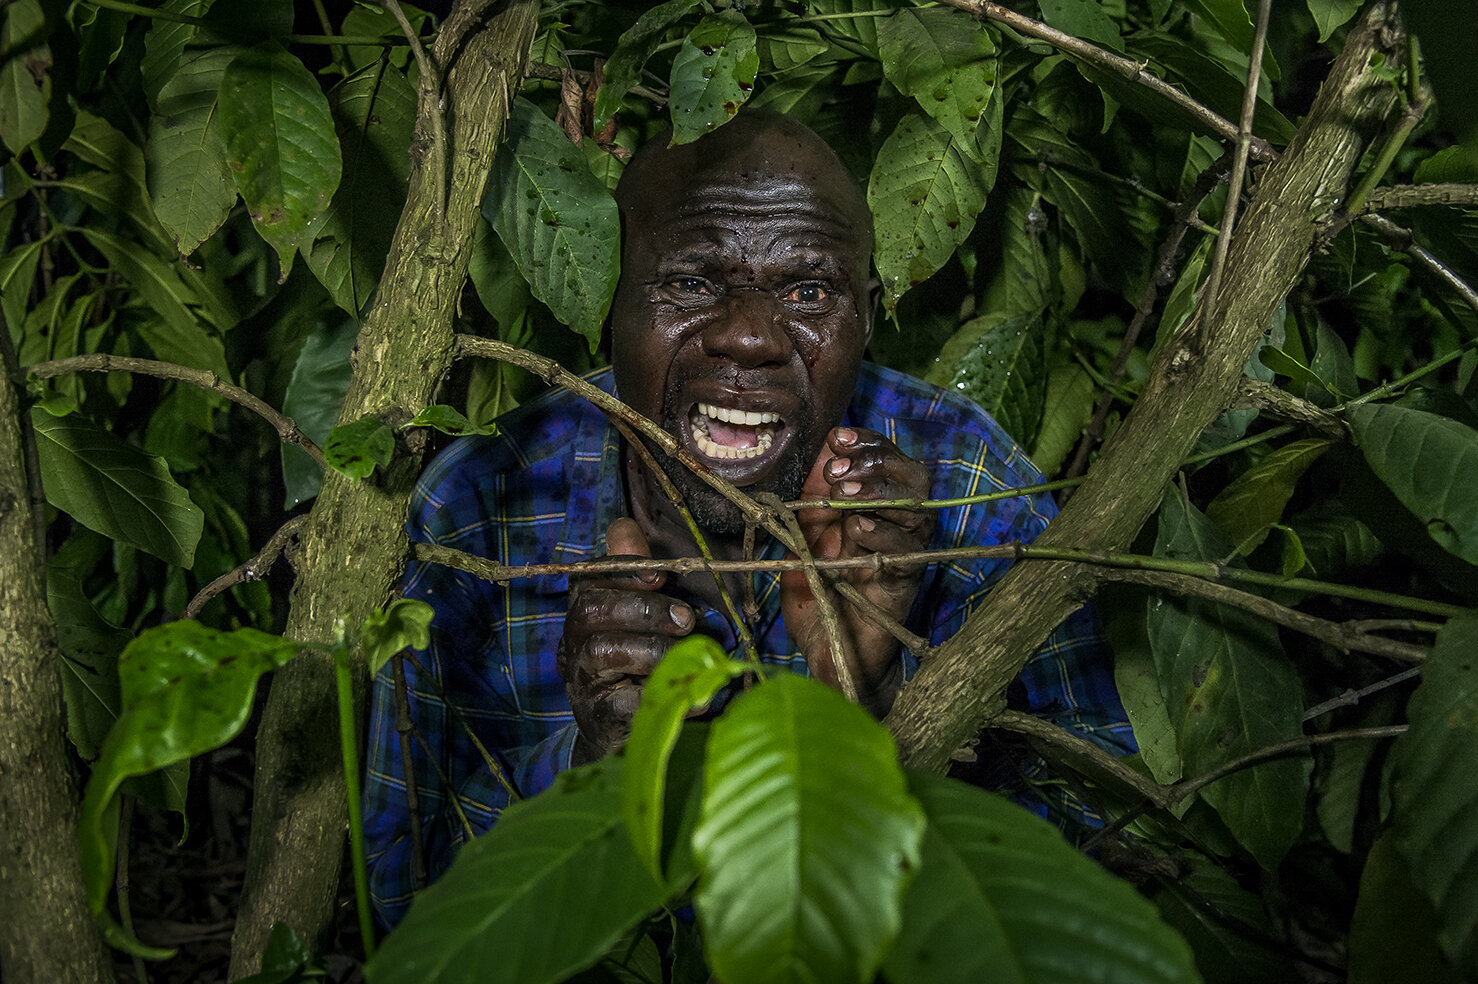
{"points": [[770, 160]]}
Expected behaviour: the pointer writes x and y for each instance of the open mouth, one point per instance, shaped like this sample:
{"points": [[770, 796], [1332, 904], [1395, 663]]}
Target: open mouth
{"points": [[729, 434]]}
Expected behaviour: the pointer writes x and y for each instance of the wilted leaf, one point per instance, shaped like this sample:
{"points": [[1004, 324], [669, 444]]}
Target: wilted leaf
{"points": [[925, 192], [1246, 509], [280, 144], [1434, 802], [712, 75], [807, 838], [1431, 464], [1001, 897], [114, 488], [356, 448], [186, 690], [558, 221], [1230, 691], [489, 918], [690, 673], [189, 182]]}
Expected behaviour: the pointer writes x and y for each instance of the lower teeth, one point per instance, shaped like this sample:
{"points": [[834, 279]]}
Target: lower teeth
{"points": [[708, 447]]}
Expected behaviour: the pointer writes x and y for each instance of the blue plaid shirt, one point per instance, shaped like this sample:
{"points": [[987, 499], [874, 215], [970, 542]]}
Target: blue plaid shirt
{"points": [[544, 490]]}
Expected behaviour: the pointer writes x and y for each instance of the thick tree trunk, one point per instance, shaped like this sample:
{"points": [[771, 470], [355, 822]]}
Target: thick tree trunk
{"points": [[1193, 380], [46, 931], [354, 545]]}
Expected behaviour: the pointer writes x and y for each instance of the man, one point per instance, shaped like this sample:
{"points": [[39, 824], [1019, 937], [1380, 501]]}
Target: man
{"points": [[739, 326]]}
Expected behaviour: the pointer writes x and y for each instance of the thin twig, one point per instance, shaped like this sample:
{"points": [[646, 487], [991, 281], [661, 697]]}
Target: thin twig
{"points": [[1352, 697], [253, 570], [432, 107], [404, 729], [1132, 71], [286, 427], [818, 592], [1239, 159], [1186, 787], [1073, 746], [1401, 239], [557, 73], [1420, 196]]}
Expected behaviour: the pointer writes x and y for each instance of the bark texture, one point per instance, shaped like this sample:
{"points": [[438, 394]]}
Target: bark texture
{"points": [[1194, 378], [354, 546], [47, 933]]}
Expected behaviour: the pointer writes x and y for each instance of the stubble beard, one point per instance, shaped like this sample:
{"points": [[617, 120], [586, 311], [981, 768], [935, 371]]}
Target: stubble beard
{"points": [[717, 515]]}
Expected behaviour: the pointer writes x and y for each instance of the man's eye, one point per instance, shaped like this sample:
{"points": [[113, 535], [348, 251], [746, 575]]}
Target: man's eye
{"points": [[808, 294], [690, 285]]}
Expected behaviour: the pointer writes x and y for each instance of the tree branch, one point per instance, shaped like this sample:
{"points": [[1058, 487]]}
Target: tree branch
{"points": [[286, 427], [253, 570]]}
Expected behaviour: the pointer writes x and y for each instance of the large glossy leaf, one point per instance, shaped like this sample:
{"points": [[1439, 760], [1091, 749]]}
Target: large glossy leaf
{"points": [[186, 690], [948, 65], [1067, 408], [1084, 19], [1230, 691], [1434, 801], [1138, 684], [169, 44], [190, 183], [314, 394], [690, 673], [996, 361], [375, 114], [1001, 897], [280, 144], [118, 490], [632, 51], [925, 192], [1246, 509], [25, 74], [712, 74], [545, 893], [1431, 464], [559, 222], [806, 840]]}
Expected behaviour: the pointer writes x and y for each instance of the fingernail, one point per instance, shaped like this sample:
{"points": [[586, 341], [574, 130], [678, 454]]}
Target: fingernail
{"points": [[837, 467], [865, 524], [846, 435], [850, 488], [682, 616]]}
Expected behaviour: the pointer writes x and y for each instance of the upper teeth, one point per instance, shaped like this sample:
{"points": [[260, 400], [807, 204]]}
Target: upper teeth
{"points": [[749, 417]]}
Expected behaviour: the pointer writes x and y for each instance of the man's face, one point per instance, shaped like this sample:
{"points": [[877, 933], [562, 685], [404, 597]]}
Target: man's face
{"points": [[739, 324]]}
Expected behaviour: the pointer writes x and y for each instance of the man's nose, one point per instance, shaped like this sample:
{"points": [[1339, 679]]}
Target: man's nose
{"points": [[751, 330]]}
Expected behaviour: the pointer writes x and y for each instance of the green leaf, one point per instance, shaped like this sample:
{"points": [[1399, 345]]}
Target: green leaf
{"points": [[925, 192], [712, 75], [632, 51], [89, 671], [116, 489], [186, 690], [1138, 685], [169, 44], [1230, 691], [1001, 897], [118, 187], [948, 65], [1246, 509], [448, 420], [996, 360], [1393, 932], [559, 222], [280, 144], [285, 957], [1431, 464], [690, 673], [374, 114], [314, 395], [781, 52], [1223, 923], [387, 631], [1434, 802], [25, 74], [1083, 19], [190, 182], [1067, 408], [503, 910], [354, 449], [807, 838]]}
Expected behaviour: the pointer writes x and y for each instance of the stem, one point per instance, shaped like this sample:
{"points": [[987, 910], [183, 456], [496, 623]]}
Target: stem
{"points": [[1239, 160], [253, 570], [340, 56], [349, 745], [1352, 697], [818, 592], [1186, 787], [125, 906], [1395, 386]]}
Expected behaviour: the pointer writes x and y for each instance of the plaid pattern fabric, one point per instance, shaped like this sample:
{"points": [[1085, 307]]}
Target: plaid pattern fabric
{"points": [[544, 490]]}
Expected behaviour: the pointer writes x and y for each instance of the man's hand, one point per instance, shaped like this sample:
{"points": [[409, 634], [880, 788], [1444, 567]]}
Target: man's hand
{"points": [[860, 465], [616, 630]]}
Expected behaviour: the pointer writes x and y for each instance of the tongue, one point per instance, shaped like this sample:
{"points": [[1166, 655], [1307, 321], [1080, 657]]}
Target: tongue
{"points": [[732, 435]]}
